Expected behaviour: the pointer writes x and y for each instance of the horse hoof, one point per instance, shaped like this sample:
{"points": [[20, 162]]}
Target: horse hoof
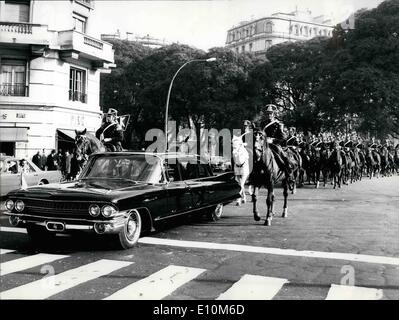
{"points": [[256, 217], [268, 222], [285, 213], [238, 204]]}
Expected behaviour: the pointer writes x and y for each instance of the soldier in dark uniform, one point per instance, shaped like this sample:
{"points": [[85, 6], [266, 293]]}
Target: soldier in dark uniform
{"points": [[111, 133], [292, 139], [274, 132]]}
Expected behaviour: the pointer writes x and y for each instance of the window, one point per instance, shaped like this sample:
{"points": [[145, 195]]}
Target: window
{"points": [[269, 27], [204, 171], [79, 23], [242, 48], [172, 172], [17, 10], [13, 78], [77, 85]]}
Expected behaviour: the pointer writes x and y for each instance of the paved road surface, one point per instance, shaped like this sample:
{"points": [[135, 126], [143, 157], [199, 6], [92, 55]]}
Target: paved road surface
{"points": [[332, 239]]}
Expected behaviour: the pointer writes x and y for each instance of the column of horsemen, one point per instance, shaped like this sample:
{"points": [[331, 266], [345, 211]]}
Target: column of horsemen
{"points": [[293, 158], [336, 157], [343, 158]]}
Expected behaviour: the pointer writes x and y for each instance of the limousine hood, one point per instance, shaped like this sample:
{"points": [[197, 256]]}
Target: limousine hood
{"points": [[105, 190]]}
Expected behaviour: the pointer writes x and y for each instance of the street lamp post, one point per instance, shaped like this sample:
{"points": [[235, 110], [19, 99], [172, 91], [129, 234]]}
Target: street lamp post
{"points": [[170, 89]]}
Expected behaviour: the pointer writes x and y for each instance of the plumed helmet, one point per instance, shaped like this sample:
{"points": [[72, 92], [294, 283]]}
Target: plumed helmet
{"points": [[247, 123], [112, 112]]}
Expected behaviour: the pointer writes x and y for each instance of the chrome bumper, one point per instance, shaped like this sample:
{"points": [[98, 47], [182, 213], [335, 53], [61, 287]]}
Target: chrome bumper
{"points": [[112, 226]]}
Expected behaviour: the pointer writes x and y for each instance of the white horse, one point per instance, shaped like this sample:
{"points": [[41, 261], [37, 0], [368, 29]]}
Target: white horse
{"points": [[241, 166]]}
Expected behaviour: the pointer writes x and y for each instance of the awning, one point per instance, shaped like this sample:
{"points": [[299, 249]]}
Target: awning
{"points": [[66, 135], [14, 134]]}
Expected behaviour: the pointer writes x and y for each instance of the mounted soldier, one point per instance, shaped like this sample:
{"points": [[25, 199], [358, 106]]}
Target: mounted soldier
{"points": [[274, 132], [111, 132]]}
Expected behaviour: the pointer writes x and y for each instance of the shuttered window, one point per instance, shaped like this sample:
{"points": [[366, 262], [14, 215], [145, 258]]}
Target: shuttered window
{"points": [[77, 85], [13, 77], [79, 23], [17, 11]]}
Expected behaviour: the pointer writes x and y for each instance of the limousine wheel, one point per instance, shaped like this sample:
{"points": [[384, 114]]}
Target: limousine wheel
{"points": [[130, 233], [217, 212], [39, 235]]}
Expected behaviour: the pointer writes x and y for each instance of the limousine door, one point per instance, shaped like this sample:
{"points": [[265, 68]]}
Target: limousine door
{"points": [[179, 194], [191, 176]]}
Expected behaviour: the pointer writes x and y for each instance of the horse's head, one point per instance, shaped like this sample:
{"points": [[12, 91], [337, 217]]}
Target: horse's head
{"points": [[81, 143]]}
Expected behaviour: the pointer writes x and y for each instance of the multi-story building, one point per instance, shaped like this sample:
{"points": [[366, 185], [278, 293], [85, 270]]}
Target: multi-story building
{"points": [[259, 35], [50, 64], [146, 41]]}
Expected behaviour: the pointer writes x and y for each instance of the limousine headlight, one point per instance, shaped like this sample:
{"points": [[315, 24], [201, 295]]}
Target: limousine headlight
{"points": [[9, 205], [19, 205], [94, 210], [108, 211]]}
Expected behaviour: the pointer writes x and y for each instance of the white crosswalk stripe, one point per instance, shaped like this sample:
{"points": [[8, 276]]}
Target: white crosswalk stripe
{"points": [[251, 287], [28, 262], [4, 251], [339, 292], [158, 285], [49, 286]]}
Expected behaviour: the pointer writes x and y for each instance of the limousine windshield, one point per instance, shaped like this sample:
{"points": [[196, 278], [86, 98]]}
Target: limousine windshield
{"points": [[135, 168]]}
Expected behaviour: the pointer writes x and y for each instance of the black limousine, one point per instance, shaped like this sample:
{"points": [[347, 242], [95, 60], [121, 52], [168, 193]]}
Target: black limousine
{"points": [[122, 194]]}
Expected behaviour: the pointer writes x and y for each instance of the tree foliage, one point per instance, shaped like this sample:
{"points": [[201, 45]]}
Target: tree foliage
{"points": [[319, 84]]}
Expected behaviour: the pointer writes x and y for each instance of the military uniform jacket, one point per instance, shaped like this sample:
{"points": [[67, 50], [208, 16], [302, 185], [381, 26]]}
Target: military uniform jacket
{"points": [[114, 132], [275, 130]]}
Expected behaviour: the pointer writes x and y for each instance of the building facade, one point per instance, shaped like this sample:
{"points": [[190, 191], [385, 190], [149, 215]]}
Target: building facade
{"points": [[259, 35], [147, 41], [50, 64]]}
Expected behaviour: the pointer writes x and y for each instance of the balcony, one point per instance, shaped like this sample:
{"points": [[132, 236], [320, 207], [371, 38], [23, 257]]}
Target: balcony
{"points": [[24, 33], [87, 3], [16, 90], [77, 96], [75, 45]]}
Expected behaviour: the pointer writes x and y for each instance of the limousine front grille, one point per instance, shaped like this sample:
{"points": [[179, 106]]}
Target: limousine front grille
{"points": [[57, 209], [57, 205]]}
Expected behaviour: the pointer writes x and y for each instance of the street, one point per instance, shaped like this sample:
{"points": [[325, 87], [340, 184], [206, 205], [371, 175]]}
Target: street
{"points": [[334, 244]]}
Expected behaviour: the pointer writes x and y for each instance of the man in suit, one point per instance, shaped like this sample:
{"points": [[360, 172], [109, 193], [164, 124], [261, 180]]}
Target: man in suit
{"points": [[36, 159], [43, 160]]}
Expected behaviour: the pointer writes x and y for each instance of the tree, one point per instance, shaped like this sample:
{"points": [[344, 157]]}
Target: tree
{"points": [[322, 83]]}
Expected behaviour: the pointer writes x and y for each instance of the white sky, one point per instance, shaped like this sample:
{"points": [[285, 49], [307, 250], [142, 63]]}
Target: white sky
{"points": [[204, 23]]}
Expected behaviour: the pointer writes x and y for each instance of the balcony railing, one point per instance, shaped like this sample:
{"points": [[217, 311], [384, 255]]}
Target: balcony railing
{"points": [[86, 46], [18, 90], [92, 42], [77, 96], [16, 27]]}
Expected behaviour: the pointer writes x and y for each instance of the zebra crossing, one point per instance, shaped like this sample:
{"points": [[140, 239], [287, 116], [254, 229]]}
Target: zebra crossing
{"points": [[155, 286]]}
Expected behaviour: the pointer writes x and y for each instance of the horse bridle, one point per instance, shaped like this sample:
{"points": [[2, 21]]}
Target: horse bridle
{"points": [[83, 148]]}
